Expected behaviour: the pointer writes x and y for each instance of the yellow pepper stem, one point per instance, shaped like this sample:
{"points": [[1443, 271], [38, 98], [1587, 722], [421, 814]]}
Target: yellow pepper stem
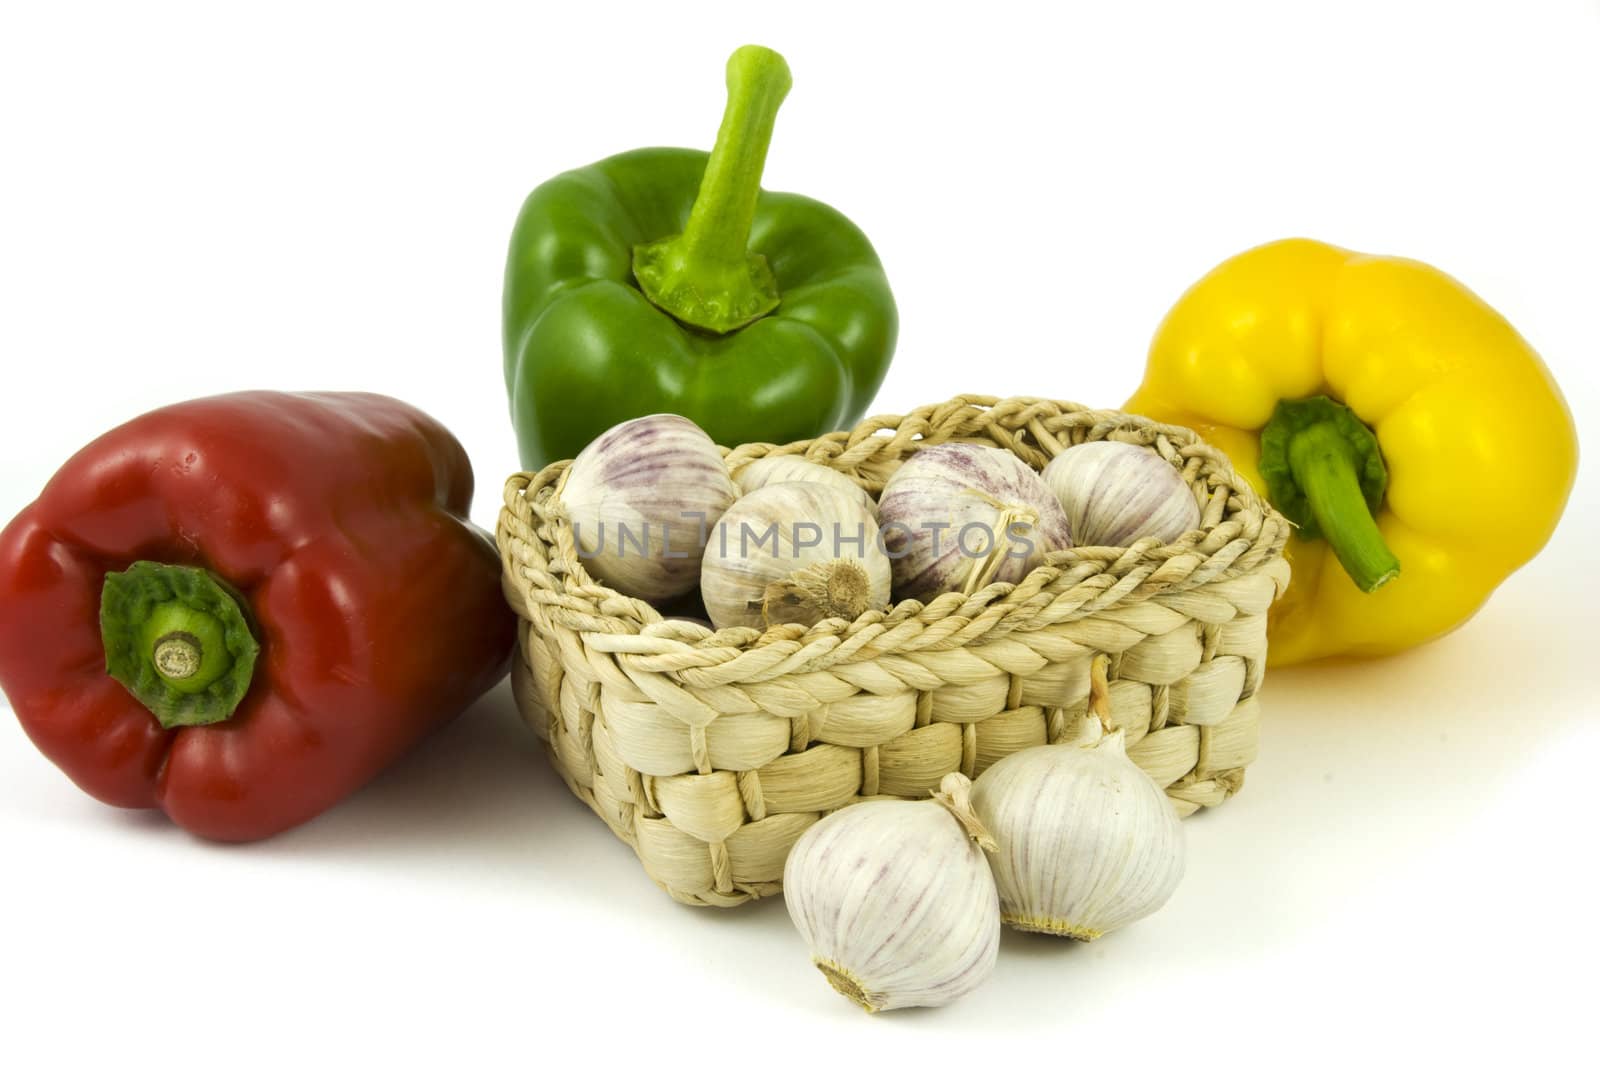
{"points": [[1325, 473]]}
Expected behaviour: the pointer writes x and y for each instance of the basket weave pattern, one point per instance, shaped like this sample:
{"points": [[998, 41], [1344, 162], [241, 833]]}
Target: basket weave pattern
{"points": [[711, 752]]}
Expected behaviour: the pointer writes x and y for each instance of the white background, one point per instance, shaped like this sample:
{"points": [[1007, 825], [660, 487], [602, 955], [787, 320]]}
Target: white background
{"points": [[205, 198]]}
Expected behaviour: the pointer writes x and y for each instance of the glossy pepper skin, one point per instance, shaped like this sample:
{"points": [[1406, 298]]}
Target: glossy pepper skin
{"points": [[1478, 443], [337, 521], [666, 280]]}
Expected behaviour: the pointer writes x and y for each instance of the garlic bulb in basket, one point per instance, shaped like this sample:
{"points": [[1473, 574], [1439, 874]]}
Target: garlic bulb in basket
{"points": [[641, 499], [896, 900], [957, 517], [793, 553], [1115, 494], [1086, 842], [791, 468]]}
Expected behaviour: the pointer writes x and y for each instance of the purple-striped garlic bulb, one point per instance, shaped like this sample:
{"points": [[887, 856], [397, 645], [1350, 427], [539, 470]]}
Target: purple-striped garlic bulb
{"points": [[641, 499], [1115, 494], [957, 517], [794, 553], [1086, 842], [896, 901]]}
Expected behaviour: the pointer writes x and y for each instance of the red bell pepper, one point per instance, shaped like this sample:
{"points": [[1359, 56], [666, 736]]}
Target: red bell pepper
{"points": [[240, 609]]}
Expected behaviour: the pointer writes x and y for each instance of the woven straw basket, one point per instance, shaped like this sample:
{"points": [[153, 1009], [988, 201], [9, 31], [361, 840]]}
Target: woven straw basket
{"points": [[711, 752]]}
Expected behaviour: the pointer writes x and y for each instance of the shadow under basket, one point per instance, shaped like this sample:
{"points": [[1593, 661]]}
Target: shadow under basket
{"points": [[711, 752]]}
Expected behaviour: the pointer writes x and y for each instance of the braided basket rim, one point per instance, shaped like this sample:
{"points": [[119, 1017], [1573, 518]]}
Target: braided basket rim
{"points": [[1239, 532]]}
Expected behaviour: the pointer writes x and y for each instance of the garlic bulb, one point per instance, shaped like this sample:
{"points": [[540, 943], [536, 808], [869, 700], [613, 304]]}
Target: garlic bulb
{"points": [[1086, 841], [641, 499], [1115, 494], [957, 517], [793, 553], [791, 468], [896, 901]]}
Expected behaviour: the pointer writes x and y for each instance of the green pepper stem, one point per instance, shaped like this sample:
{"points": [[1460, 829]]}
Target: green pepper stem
{"points": [[707, 277], [179, 639], [718, 231], [1324, 465]]}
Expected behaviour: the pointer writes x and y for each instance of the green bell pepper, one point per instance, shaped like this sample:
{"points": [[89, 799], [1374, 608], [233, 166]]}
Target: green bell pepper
{"points": [[668, 281]]}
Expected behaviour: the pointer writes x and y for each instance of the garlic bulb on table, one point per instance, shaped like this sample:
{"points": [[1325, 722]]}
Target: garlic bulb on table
{"points": [[957, 517], [1086, 842], [791, 468], [896, 901], [641, 499], [793, 553], [1115, 494]]}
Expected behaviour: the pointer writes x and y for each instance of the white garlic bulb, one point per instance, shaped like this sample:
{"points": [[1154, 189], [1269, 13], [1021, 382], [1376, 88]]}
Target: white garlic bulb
{"points": [[957, 517], [641, 499], [896, 900], [793, 553], [1086, 841], [1115, 494], [791, 468]]}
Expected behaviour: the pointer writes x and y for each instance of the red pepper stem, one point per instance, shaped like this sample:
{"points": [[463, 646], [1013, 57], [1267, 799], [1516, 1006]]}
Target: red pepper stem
{"points": [[707, 277], [1324, 465], [178, 655], [179, 639]]}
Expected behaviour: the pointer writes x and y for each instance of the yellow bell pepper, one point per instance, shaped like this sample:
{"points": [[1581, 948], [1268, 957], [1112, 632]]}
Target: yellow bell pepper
{"points": [[1418, 442]]}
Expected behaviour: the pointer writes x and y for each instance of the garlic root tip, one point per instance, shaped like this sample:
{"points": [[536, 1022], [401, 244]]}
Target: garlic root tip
{"points": [[826, 589], [849, 985], [1055, 927]]}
